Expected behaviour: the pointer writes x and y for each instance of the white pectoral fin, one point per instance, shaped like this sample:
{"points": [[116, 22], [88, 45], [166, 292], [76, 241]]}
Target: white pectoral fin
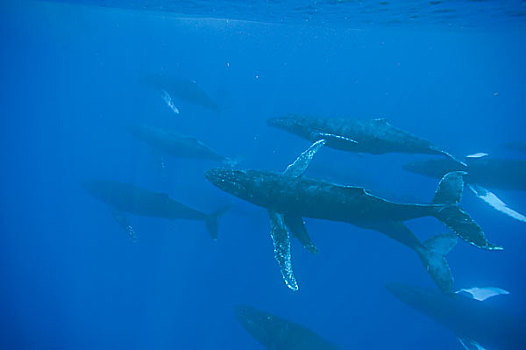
{"points": [[477, 155], [169, 101], [483, 293], [470, 344], [280, 237], [301, 164], [495, 202]]}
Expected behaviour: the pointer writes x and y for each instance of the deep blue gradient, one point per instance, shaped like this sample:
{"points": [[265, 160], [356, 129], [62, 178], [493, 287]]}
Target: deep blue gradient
{"points": [[71, 82]]}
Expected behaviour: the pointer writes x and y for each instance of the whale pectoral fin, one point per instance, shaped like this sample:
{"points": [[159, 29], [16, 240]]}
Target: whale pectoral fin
{"points": [[159, 160], [495, 202], [169, 101], [482, 293], [123, 222], [301, 163], [477, 155], [336, 140], [298, 230], [470, 344], [281, 239]]}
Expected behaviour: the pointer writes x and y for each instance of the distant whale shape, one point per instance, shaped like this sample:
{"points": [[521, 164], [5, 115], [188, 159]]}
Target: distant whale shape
{"points": [[517, 146], [507, 174], [376, 136], [126, 198], [175, 144], [289, 197], [476, 325], [276, 333], [175, 89]]}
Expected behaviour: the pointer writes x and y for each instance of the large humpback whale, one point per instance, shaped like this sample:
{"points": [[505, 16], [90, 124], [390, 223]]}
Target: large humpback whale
{"points": [[289, 197], [481, 173], [276, 333], [376, 136], [175, 144], [126, 198], [476, 325]]}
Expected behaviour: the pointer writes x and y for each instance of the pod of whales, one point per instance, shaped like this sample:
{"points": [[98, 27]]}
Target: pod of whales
{"points": [[126, 198], [289, 197], [476, 325], [276, 333], [376, 136]]}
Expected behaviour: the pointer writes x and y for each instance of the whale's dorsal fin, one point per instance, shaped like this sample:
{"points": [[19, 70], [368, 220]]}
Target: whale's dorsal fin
{"points": [[353, 191], [301, 163], [297, 228], [470, 344], [281, 239]]}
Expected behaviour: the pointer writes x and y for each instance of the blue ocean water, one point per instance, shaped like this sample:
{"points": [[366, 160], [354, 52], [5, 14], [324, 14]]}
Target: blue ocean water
{"points": [[72, 80]]}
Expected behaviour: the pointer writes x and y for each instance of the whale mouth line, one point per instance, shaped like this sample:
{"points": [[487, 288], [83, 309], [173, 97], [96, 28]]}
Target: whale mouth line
{"points": [[219, 175], [226, 179]]}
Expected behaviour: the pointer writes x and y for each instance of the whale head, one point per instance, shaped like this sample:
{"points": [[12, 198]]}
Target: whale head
{"points": [[291, 123], [251, 185], [253, 320]]}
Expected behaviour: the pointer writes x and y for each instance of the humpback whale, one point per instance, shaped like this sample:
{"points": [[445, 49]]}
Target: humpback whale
{"points": [[519, 147], [276, 333], [183, 90], [289, 197], [175, 144], [506, 174], [476, 325], [481, 173], [376, 136], [127, 198]]}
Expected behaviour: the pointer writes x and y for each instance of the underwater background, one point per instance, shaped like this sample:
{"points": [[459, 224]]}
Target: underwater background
{"points": [[71, 81]]}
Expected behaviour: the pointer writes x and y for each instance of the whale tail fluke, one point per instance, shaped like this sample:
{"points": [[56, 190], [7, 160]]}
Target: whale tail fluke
{"points": [[434, 258], [447, 210], [212, 221]]}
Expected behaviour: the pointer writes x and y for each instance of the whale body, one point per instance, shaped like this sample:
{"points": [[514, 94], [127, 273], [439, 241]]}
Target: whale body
{"points": [[175, 144], [127, 198], [276, 333], [477, 325], [289, 197], [375, 136]]}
